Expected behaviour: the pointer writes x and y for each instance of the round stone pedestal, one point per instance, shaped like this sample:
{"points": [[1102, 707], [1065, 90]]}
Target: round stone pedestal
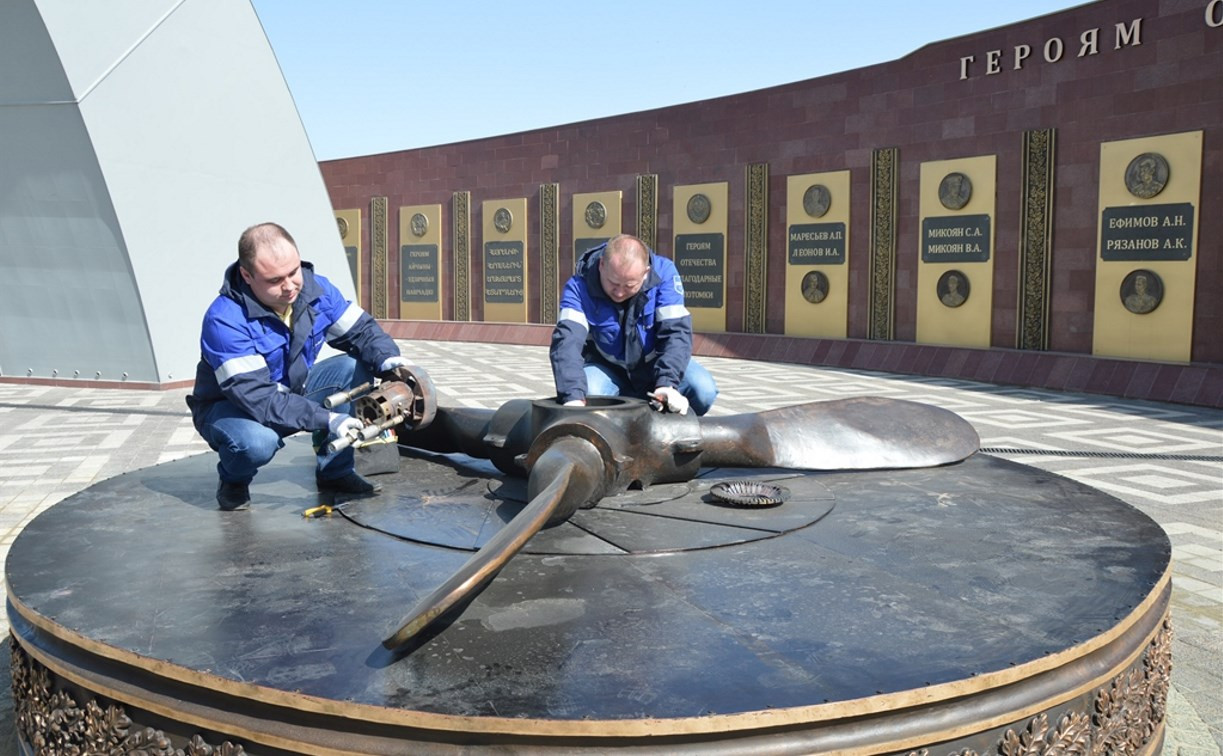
{"points": [[942, 610]]}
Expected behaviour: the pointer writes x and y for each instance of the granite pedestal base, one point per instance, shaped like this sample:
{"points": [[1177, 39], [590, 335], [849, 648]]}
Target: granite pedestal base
{"points": [[942, 610]]}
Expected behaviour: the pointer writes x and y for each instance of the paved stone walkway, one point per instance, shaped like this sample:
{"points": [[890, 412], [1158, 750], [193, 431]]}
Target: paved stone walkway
{"points": [[1164, 459]]}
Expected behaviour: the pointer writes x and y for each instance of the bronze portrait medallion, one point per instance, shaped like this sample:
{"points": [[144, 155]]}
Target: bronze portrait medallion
{"points": [[342, 225], [1141, 291], [596, 215], [419, 224], [699, 208], [815, 287], [816, 200], [1147, 175], [952, 288], [955, 190], [503, 220]]}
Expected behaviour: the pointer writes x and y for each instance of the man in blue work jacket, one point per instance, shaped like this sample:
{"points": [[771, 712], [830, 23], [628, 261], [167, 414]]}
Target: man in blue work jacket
{"points": [[257, 380], [623, 330]]}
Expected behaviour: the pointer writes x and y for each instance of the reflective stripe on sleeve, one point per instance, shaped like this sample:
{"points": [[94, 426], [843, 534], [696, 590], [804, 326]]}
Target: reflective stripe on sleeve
{"points": [[575, 316], [345, 322], [671, 311], [247, 363]]}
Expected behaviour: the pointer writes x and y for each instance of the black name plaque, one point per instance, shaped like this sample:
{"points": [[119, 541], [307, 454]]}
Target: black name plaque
{"points": [[1147, 232], [701, 261], [503, 272], [816, 244], [955, 238], [418, 273]]}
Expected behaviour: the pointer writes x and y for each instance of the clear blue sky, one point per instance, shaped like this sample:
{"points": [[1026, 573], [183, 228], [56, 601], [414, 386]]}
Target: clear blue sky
{"points": [[375, 76]]}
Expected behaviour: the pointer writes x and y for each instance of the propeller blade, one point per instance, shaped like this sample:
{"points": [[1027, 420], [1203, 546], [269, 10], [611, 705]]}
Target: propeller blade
{"points": [[567, 475], [860, 433]]}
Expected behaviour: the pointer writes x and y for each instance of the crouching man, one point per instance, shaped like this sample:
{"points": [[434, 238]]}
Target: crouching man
{"points": [[257, 379]]}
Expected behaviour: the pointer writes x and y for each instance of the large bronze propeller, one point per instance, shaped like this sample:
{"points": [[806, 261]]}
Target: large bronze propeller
{"points": [[574, 456]]}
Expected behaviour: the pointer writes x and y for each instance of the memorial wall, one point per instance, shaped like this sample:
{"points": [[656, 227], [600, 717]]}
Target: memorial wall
{"points": [[1040, 188]]}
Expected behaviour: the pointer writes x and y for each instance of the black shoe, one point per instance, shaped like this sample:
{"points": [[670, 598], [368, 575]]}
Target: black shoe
{"points": [[231, 496], [352, 483]]}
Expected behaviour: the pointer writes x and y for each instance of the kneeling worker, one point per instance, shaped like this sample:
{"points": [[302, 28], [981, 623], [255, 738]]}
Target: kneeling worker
{"points": [[257, 380], [624, 331]]}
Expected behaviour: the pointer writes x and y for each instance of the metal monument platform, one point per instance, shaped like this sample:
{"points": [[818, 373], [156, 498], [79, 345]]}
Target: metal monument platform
{"points": [[948, 608]]}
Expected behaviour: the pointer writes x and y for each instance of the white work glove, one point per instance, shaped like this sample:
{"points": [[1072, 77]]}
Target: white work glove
{"points": [[395, 369], [390, 363], [671, 400], [343, 425], [575, 403]]}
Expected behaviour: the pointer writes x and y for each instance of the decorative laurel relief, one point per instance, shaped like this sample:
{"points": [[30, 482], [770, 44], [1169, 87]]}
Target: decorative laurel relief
{"points": [[1036, 239], [52, 722], [378, 215], [1125, 716], [647, 209], [757, 247], [461, 202], [549, 250], [883, 242]]}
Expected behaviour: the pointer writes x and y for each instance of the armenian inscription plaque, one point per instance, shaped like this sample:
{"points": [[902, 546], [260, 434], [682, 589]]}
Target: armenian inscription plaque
{"points": [[1147, 232], [817, 244], [503, 272], [700, 259], [955, 238]]}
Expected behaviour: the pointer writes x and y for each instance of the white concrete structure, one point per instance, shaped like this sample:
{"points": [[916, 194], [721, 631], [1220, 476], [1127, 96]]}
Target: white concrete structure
{"points": [[138, 138]]}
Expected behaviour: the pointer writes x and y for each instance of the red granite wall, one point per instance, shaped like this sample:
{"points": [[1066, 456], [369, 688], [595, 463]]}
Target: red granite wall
{"points": [[926, 105]]}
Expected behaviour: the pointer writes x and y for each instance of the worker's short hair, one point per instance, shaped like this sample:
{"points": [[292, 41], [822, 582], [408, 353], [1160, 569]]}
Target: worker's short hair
{"points": [[257, 236]]}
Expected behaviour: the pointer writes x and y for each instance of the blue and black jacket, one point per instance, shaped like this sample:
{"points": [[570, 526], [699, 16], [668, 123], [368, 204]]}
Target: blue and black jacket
{"points": [[648, 337], [250, 357]]}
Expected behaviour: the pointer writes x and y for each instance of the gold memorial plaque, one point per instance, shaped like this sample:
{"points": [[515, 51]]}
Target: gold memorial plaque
{"points": [[816, 200], [419, 224], [815, 287], [952, 288], [342, 225], [699, 208], [1142, 291], [1147, 175], [955, 190], [503, 220], [596, 214]]}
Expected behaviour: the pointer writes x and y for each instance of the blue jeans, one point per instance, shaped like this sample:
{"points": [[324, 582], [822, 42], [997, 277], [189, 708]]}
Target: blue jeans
{"points": [[697, 386], [244, 444]]}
